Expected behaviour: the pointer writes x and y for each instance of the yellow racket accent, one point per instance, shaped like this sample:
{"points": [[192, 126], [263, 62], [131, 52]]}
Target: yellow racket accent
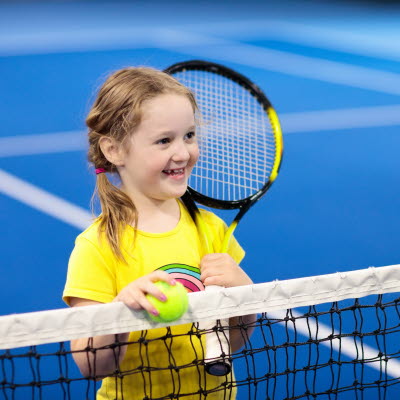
{"points": [[204, 233], [227, 237], [279, 142]]}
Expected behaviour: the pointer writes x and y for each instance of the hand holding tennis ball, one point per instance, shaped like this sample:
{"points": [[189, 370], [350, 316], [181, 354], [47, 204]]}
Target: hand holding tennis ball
{"points": [[174, 307]]}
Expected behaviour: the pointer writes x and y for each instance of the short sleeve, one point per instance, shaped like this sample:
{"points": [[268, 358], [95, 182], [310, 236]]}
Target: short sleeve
{"points": [[89, 275]]}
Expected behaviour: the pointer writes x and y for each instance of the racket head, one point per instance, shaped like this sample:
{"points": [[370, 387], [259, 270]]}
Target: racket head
{"points": [[239, 135]]}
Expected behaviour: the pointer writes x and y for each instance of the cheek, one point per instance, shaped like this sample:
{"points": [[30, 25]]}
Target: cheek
{"points": [[156, 167], [195, 155], [149, 171]]}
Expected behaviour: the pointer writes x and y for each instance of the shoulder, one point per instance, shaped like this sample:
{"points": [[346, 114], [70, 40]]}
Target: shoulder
{"points": [[91, 251], [91, 268], [91, 239], [91, 233], [94, 240]]}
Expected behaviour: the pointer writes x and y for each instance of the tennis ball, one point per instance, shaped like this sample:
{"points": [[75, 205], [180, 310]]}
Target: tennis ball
{"points": [[174, 307]]}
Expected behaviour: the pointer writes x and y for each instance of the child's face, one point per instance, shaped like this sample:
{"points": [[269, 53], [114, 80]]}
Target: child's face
{"points": [[162, 151]]}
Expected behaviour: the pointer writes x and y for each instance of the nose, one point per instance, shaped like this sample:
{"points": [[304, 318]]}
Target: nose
{"points": [[181, 152]]}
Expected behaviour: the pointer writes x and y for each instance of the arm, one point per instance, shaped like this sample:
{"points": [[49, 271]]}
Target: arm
{"points": [[221, 269], [106, 361], [238, 338]]}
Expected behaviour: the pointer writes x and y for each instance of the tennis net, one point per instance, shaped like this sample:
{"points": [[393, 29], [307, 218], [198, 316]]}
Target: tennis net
{"points": [[333, 336]]}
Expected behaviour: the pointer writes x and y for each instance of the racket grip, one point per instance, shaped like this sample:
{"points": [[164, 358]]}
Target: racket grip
{"points": [[217, 360]]}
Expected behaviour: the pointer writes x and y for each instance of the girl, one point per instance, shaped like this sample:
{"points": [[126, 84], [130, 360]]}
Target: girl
{"points": [[142, 129]]}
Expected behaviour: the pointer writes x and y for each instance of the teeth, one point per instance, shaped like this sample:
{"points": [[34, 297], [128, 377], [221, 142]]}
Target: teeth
{"points": [[174, 171]]}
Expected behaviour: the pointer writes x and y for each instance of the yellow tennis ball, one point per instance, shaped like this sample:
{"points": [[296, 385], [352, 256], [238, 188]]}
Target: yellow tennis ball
{"points": [[174, 307]]}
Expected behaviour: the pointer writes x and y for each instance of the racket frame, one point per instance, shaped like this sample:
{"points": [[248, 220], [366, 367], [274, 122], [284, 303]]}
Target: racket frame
{"points": [[255, 91], [221, 364]]}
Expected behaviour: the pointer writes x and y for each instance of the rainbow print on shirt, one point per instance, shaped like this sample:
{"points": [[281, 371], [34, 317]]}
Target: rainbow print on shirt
{"points": [[188, 276]]}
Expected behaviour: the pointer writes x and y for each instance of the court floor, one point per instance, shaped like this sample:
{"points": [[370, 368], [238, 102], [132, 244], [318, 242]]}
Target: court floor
{"points": [[334, 82]]}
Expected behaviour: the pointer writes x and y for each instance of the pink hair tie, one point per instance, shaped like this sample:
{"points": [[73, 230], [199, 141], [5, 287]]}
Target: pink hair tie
{"points": [[99, 170]]}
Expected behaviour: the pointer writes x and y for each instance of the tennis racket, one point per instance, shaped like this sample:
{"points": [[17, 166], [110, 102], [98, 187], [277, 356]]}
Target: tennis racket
{"points": [[241, 147]]}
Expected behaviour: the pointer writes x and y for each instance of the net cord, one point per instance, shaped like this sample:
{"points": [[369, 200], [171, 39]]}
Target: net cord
{"points": [[19, 330]]}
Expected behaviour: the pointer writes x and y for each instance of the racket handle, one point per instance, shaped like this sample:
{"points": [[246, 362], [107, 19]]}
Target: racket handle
{"points": [[228, 236], [217, 361]]}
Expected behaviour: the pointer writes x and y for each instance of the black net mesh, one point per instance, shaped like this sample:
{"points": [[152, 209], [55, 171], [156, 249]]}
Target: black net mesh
{"points": [[341, 350]]}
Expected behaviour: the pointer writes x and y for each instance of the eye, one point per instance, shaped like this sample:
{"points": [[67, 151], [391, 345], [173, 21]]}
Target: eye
{"points": [[163, 141], [191, 135]]}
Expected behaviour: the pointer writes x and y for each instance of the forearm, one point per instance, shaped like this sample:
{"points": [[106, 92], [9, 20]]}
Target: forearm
{"points": [[238, 336], [96, 357]]}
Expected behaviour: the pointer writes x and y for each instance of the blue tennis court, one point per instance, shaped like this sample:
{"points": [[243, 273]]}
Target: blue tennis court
{"points": [[334, 81]]}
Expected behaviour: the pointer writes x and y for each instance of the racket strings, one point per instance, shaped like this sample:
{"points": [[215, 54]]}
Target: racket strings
{"points": [[236, 138]]}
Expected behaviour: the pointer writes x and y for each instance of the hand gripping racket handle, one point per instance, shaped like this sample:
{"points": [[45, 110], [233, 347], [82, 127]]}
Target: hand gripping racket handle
{"points": [[217, 357], [217, 360]]}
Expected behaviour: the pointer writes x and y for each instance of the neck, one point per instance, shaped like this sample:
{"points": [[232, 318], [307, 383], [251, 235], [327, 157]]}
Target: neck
{"points": [[158, 217], [154, 215]]}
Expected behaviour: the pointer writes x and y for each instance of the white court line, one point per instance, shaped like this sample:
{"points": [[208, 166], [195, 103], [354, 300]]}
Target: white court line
{"points": [[308, 121], [44, 201], [344, 345], [342, 119], [58, 142], [204, 46], [298, 65], [87, 39], [380, 43]]}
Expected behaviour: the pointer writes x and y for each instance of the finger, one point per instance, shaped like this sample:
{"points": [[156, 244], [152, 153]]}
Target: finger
{"points": [[214, 281], [143, 286], [162, 276], [134, 295], [208, 263], [146, 305], [216, 259], [129, 301], [215, 264], [210, 272], [154, 291]]}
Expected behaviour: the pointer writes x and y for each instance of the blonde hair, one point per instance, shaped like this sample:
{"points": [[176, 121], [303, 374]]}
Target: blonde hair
{"points": [[116, 112]]}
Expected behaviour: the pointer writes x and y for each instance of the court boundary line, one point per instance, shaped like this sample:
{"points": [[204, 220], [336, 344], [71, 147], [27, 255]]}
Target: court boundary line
{"points": [[295, 122], [293, 64], [43, 201], [344, 39], [283, 62]]}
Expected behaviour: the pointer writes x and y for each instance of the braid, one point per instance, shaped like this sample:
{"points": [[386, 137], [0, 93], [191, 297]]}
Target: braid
{"points": [[115, 114]]}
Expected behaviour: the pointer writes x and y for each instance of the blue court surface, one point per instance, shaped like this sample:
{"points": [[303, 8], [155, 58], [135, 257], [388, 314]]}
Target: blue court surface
{"points": [[331, 70]]}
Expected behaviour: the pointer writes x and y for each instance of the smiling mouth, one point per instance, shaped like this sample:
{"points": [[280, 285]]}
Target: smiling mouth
{"points": [[174, 172]]}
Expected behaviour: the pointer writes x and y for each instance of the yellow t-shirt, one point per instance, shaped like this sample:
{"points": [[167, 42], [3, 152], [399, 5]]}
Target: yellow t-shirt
{"points": [[94, 273]]}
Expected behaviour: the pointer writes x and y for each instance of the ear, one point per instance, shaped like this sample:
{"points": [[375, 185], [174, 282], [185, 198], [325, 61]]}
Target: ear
{"points": [[112, 151]]}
